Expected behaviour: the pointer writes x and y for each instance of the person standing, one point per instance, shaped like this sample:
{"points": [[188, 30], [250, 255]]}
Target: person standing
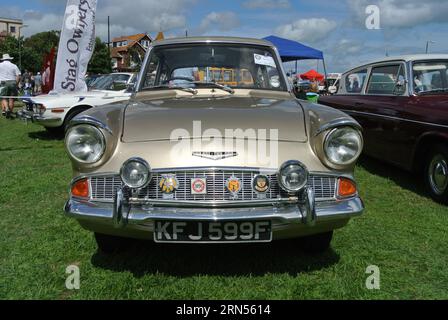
{"points": [[9, 78], [37, 84]]}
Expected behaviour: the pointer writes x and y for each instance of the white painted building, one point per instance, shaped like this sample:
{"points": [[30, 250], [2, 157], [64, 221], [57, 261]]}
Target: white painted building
{"points": [[10, 27]]}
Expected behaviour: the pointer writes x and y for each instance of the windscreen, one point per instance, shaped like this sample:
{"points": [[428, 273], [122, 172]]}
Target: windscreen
{"points": [[235, 66]]}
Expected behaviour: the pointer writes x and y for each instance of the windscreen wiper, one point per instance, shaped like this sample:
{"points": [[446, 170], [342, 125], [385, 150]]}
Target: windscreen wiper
{"points": [[216, 85], [186, 89]]}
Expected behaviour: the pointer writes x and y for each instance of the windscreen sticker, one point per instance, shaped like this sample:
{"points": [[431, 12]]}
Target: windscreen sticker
{"points": [[264, 60]]}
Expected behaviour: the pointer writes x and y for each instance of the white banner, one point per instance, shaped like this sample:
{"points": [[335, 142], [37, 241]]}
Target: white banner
{"points": [[76, 46]]}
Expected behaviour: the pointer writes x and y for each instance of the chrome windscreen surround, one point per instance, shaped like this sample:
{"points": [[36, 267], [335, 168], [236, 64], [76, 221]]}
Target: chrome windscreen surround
{"points": [[103, 187]]}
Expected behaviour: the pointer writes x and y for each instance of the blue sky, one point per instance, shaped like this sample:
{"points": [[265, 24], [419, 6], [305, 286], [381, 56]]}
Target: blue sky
{"points": [[336, 27]]}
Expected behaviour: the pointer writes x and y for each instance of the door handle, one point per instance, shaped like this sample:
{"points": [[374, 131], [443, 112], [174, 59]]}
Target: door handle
{"points": [[359, 104]]}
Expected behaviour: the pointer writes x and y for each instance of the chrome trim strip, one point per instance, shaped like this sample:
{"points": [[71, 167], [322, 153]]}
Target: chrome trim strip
{"points": [[214, 204], [395, 118], [282, 217], [89, 120], [289, 87], [170, 170], [226, 40], [118, 213], [42, 120], [341, 122], [142, 73], [215, 155], [216, 168], [310, 208]]}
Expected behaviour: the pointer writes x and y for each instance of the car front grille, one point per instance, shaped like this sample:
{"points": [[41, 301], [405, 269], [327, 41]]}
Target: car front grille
{"points": [[103, 187]]}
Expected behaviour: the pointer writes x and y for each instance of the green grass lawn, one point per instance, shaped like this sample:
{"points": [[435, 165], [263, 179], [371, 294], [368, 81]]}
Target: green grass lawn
{"points": [[402, 232]]}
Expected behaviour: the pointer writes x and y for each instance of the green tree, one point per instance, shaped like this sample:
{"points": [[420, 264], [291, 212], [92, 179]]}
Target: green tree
{"points": [[24, 57], [100, 62], [10, 45], [41, 44], [29, 53]]}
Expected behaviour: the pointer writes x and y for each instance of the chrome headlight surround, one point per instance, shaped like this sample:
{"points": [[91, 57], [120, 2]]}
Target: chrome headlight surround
{"points": [[343, 146], [293, 167], [136, 166], [85, 143]]}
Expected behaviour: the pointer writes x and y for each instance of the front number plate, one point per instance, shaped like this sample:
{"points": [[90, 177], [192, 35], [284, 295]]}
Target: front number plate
{"points": [[212, 232]]}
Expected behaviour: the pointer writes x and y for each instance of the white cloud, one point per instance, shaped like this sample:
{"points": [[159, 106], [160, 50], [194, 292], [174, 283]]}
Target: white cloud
{"points": [[307, 30], [402, 13], [151, 16], [221, 21], [267, 4], [38, 22]]}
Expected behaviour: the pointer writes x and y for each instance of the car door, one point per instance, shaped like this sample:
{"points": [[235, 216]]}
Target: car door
{"points": [[387, 133]]}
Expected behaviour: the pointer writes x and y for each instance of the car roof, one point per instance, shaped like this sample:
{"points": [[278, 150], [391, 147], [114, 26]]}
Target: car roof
{"points": [[413, 57], [235, 40], [406, 58]]}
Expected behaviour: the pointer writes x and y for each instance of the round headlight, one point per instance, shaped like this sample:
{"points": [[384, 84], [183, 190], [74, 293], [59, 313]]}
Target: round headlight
{"points": [[343, 145], [293, 176], [85, 143], [136, 173]]}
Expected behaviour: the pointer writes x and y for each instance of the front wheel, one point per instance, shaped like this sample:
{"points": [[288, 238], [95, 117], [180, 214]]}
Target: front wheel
{"points": [[317, 243], [436, 174]]}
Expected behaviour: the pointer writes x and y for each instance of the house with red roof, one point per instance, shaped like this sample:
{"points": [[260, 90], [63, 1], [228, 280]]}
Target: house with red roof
{"points": [[127, 52]]}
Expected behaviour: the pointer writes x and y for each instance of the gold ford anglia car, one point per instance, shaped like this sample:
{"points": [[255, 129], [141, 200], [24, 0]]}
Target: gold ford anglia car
{"points": [[193, 158]]}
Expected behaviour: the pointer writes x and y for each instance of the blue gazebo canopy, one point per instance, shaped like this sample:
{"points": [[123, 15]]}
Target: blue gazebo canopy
{"points": [[292, 50]]}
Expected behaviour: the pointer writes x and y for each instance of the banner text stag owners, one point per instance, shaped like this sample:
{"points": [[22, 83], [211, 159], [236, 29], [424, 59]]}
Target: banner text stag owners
{"points": [[76, 46]]}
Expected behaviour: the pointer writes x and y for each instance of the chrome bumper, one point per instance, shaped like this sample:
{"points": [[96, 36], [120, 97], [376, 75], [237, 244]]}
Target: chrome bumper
{"points": [[34, 117], [121, 215]]}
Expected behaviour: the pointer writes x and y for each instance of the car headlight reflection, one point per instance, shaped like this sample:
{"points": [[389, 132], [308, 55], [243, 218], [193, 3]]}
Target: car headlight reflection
{"points": [[85, 143], [343, 146]]}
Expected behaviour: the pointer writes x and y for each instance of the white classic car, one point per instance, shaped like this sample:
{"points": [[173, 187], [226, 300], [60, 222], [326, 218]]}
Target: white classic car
{"points": [[54, 111]]}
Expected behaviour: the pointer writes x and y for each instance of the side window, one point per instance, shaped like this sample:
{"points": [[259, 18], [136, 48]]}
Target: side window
{"points": [[260, 80], [354, 82], [150, 76], [156, 74], [387, 80], [267, 77]]}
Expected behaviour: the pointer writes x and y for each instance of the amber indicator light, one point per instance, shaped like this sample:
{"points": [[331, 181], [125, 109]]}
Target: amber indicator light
{"points": [[81, 189], [346, 188]]}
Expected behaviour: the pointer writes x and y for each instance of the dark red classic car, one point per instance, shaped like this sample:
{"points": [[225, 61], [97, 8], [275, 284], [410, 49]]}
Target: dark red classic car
{"points": [[402, 104]]}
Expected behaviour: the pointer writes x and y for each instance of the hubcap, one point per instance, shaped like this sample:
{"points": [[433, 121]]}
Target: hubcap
{"points": [[438, 174]]}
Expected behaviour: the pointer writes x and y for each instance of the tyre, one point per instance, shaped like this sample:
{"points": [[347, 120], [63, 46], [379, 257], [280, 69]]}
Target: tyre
{"points": [[317, 243], [110, 244], [436, 173]]}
